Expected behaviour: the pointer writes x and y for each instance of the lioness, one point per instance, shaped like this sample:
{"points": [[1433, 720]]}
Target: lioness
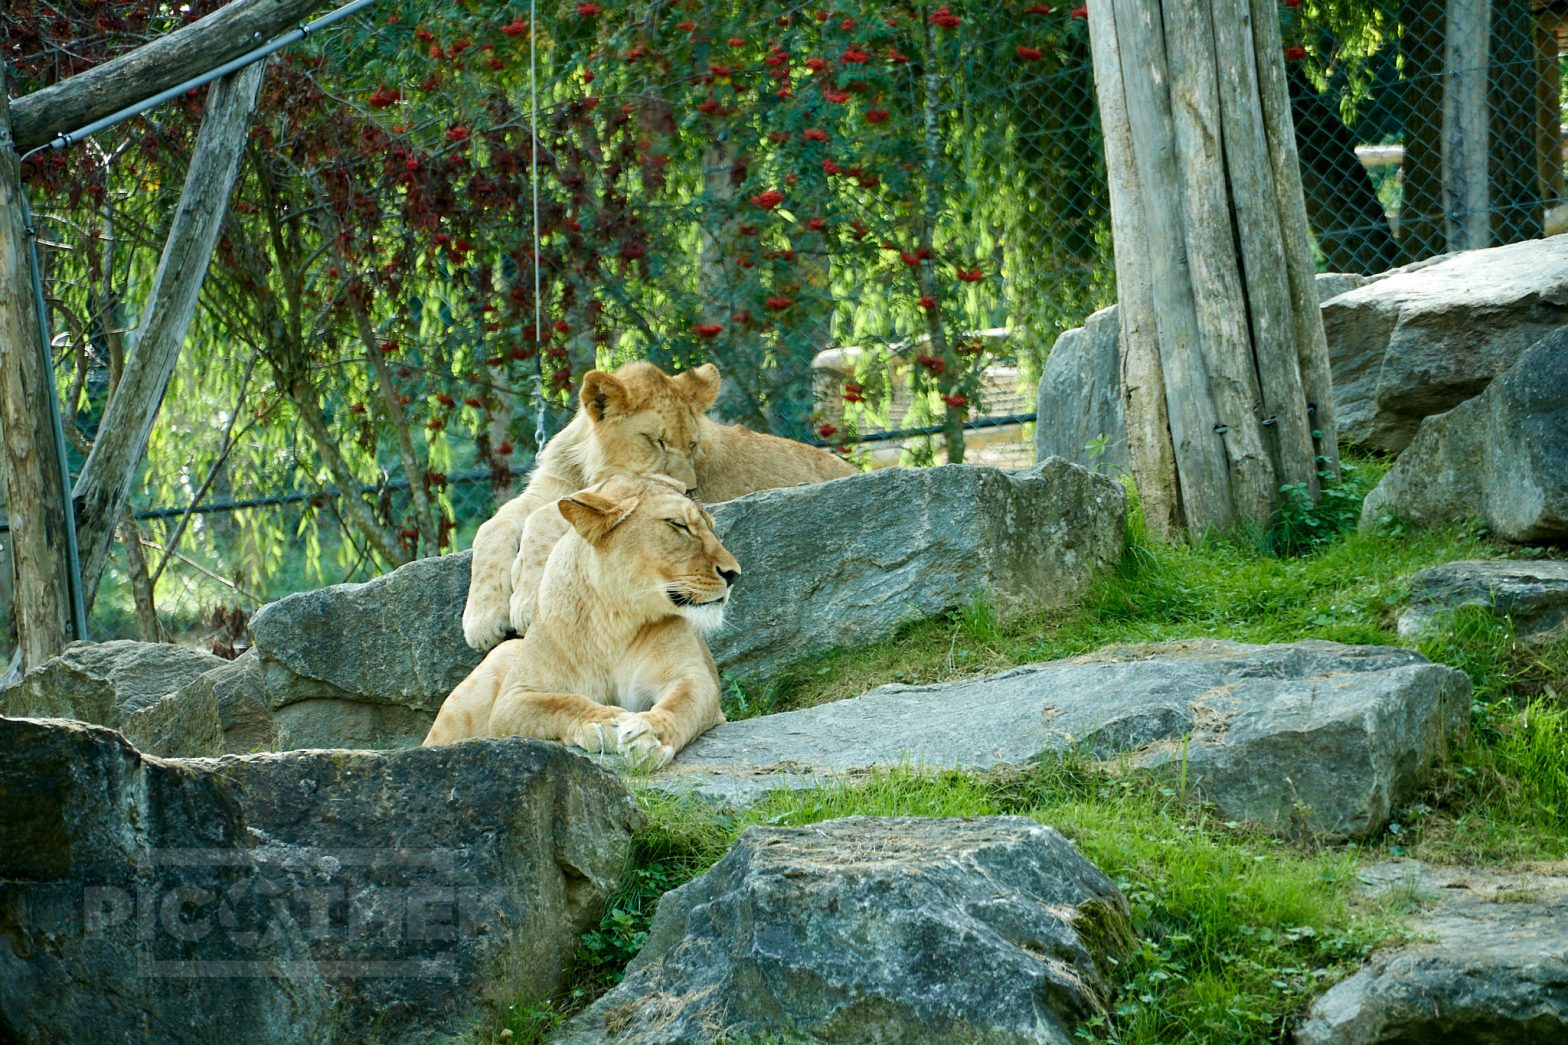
{"points": [[615, 659], [637, 421]]}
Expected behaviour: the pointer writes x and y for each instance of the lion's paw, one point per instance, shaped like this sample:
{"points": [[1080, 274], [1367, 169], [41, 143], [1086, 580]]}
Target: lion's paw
{"points": [[521, 611], [640, 746], [485, 619], [595, 737]]}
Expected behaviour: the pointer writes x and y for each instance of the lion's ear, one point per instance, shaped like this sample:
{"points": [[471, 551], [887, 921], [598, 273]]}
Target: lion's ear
{"points": [[701, 385], [603, 395], [593, 515]]}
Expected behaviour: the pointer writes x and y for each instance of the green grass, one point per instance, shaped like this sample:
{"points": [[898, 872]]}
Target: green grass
{"points": [[1237, 930]]}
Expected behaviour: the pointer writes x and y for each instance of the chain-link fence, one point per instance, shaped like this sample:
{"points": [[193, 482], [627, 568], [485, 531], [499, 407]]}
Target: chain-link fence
{"points": [[875, 218]]}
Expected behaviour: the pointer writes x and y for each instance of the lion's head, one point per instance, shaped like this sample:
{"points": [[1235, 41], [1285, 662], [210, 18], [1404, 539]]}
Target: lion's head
{"points": [[654, 549], [645, 422]]}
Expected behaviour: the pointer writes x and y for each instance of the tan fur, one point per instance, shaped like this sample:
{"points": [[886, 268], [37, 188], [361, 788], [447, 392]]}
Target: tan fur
{"points": [[637, 421], [611, 661]]}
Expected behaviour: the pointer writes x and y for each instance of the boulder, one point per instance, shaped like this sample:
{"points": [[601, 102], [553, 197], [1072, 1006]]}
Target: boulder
{"points": [[1079, 400], [365, 665], [1533, 595], [823, 566], [311, 897], [875, 930], [1502, 456], [848, 562], [1425, 338], [1489, 963], [1309, 736], [109, 683]]}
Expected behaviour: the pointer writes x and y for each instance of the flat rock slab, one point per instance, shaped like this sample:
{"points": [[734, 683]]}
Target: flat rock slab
{"points": [[1489, 964], [1425, 338], [1501, 457], [849, 562], [308, 897], [826, 565], [1532, 594], [867, 929], [1311, 736], [115, 684]]}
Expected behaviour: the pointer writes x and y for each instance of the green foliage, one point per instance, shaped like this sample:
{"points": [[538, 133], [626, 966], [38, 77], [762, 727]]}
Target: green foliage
{"points": [[1302, 523]]}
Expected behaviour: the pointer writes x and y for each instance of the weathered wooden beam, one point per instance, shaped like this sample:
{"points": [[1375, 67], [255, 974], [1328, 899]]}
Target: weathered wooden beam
{"points": [[105, 482], [1202, 471], [156, 66], [1467, 123], [1285, 428], [34, 489], [1149, 447], [1307, 319]]}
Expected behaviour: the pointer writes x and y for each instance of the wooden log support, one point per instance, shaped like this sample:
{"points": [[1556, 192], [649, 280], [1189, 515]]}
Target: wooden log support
{"points": [[1218, 310], [102, 488], [156, 66], [34, 489], [1151, 454], [1466, 123]]}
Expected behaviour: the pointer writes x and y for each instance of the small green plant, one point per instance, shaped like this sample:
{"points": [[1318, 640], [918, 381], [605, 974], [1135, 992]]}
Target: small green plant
{"points": [[1300, 523]]}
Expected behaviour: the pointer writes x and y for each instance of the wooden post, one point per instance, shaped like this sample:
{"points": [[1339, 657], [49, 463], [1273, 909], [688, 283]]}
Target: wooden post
{"points": [[105, 482], [1466, 122], [222, 36], [1548, 108], [1153, 458], [34, 488], [1211, 237]]}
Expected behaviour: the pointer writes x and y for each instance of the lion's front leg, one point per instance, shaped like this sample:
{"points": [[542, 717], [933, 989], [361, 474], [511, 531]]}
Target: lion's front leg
{"points": [[486, 613], [544, 529], [688, 708], [568, 717]]}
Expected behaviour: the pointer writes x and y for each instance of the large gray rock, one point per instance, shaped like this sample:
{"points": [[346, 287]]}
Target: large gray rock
{"points": [[109, 683], [1311, 736], [1502, 456], [1079, 400], [989, 930], [1489, 965], [827, 565], [358, 665], [311, 897], [1428, 337], [1533, 595], [1078, 404], [848, 562]]}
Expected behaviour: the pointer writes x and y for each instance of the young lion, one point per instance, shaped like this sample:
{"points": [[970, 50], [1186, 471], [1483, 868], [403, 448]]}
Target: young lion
{"points": [[637, 421], [615, 659]]}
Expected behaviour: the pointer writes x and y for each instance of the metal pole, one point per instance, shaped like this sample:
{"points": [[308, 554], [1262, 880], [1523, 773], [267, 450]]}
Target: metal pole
{"points": [[73, 569]]}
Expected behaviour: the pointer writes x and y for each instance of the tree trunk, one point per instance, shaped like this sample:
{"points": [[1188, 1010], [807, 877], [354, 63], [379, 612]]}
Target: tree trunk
{"points": [[1465, 123], [1548, 109], [35, 491], [1515, 193], [1224, 254], [1422, 230], [106, 478], [1352, 230], [148, 627], [203, 45]]}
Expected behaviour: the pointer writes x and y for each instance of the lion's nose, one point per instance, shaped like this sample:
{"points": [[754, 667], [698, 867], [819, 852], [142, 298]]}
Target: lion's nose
{"points": [[728, 575]]}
